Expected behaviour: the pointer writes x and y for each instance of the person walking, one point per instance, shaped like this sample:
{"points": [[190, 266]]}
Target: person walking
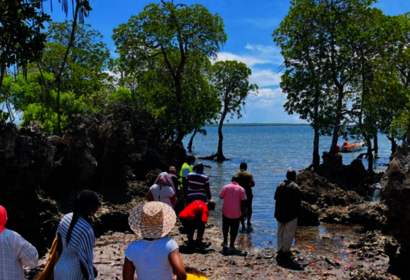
{"points": [[233, 210], [194, 217], [197, 186], [287, 208], [155, 256], [163, 190], [247, 182], [15, 252], [75, 240]]}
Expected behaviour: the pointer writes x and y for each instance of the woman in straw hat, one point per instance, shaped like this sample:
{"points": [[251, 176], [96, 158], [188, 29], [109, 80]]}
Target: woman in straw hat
{"points": [[155, 256]]}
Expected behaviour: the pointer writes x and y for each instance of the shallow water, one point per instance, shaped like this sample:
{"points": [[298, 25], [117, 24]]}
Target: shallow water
{"points": [[270, 151]]}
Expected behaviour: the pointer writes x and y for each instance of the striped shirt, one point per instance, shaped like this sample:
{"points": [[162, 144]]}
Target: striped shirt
{"points": [[79, 249], [198, 184]]}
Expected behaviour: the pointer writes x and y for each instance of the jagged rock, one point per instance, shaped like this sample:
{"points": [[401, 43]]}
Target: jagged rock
{"points": [[374, 243], [336, 215], [317, 190], [369, 216], [77, 163], [360, 274], [26, 160], [309, 215]]}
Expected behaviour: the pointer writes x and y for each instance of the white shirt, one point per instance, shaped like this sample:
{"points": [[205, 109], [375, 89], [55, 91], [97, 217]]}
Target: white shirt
{"points": [[162, 193], [150, 258], [15, 252]]}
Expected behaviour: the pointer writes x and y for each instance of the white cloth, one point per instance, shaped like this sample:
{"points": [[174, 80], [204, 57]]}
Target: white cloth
{"points": [[163, 193], [150, 258], [15, 252], [79, 249], [286, 232]]}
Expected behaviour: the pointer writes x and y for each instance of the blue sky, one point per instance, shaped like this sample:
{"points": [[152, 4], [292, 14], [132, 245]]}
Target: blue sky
{"points": [[249, 25]]}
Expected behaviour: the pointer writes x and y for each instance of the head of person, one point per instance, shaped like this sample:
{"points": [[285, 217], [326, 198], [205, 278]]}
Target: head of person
{"points": [[164, 179], [211, 205], [3, 218], [172, 170], [199, 168], [235, 179], [190, 159], [152, 220], [243, 166], [345, 143], [291, 175], [86, 205]]}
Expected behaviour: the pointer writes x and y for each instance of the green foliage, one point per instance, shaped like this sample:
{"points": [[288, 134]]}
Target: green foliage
{"points": [[164, 61], [231, 81]]}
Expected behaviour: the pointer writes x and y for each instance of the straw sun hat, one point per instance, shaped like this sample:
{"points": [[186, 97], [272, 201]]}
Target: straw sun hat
{"points": [[152, 220]]}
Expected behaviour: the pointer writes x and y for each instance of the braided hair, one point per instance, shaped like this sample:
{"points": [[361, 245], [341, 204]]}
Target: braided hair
{"points": [[83, 201]]}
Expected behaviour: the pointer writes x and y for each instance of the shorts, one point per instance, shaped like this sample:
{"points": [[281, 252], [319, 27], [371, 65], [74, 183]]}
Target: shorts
{"points": [[190, 224], [192, 198], [232, 223]]}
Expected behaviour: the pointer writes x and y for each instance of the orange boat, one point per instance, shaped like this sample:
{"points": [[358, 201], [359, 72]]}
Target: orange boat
{"points": [[350, 148]]}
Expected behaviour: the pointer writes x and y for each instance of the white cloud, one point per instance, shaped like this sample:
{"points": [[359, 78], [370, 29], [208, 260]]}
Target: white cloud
{"points": [[268, 52], [264, 23], [269, 92], [248, 60], [265, 78]]}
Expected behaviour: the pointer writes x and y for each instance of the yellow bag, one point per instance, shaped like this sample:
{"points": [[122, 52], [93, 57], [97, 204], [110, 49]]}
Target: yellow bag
{"points": [[48, 271], [194, 277]]}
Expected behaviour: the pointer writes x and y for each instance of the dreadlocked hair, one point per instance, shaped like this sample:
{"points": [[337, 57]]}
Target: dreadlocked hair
{"points": [[84, 200]]}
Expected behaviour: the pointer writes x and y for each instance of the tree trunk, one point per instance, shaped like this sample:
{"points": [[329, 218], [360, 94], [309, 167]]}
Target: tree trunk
{"points": [[220, 154], [408, 133], [316, 156], [393, 144], [376, 145], [180, 137], [2, 74], [191, 141], [369, 154], [58, 109], [335, 136]]}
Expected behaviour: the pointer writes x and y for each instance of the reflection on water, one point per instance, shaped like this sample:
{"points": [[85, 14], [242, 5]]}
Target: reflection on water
{"points": [[270, 151]]}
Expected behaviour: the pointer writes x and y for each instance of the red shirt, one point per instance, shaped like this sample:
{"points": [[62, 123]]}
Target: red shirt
{"points": [[196, 209]]}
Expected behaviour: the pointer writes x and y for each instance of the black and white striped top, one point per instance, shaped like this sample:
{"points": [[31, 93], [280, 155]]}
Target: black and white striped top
{"points": [[79, 249]]}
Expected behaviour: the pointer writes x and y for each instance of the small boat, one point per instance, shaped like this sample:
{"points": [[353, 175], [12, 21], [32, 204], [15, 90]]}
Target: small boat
{"points": [[353, 147]]}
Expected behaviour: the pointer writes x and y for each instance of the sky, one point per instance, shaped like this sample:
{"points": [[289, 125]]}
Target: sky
{"points": [[249, 25]]}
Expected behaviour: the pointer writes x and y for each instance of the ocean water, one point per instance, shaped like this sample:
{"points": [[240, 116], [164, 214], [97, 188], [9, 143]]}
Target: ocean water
{"points": [[269, 152]]}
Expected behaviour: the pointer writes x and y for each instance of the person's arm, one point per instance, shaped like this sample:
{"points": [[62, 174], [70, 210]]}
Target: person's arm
{"points": [[128, 270], [173, 200], [222, 194], [59, 244], [177, 266], [243, 208], [252, 183], [149, 196], [298, 200], [208, 191], [27, 253]]}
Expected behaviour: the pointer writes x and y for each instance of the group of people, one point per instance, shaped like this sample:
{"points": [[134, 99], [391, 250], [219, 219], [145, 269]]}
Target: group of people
{"points": [[155, 256]]}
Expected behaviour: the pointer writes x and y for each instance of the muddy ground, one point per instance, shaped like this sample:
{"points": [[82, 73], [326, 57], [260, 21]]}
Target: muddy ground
{"points": [[365, 258]]}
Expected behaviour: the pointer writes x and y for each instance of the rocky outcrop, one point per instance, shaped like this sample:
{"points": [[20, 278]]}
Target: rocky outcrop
{"points": [[318, 190], [309, 215], [396, 197], [41, 176]]}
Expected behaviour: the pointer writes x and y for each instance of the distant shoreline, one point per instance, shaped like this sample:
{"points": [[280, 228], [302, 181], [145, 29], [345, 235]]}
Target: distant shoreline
{"points": [[259, 124]]}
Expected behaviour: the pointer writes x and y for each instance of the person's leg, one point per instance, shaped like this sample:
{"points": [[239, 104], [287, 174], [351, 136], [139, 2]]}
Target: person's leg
{"points": [[281, 228], [234, 231], [249, 210], [243, 223], [200, 233], [288, 234], [225, 230]]}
